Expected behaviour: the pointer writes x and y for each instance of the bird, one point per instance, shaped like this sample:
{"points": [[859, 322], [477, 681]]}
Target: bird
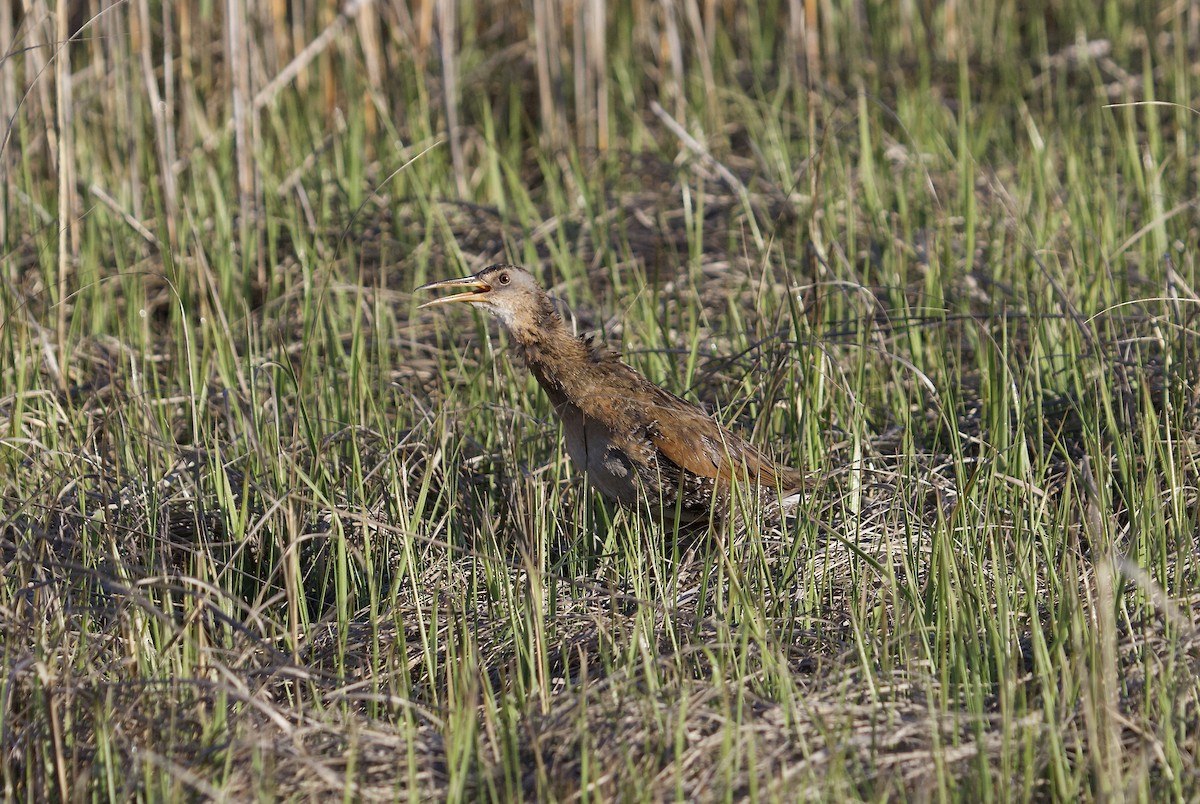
{"points": [[636, 443]]}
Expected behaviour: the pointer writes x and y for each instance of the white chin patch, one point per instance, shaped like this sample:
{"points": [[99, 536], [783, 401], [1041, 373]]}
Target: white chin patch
{"points": [[505, 315]]}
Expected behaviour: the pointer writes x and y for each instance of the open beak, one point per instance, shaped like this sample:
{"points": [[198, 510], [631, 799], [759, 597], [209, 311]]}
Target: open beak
{"points": [[476, 289]]}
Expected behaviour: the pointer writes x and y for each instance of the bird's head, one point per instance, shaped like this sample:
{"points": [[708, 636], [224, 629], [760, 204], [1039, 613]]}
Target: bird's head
{"points": [[506, 291]]}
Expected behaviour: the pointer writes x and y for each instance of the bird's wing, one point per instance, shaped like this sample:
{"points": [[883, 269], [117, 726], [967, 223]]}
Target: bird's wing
{"points": [[695, 442], [681, 432]]}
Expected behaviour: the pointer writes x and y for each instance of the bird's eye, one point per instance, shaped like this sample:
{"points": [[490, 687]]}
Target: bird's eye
{"points": [[502, 279]]}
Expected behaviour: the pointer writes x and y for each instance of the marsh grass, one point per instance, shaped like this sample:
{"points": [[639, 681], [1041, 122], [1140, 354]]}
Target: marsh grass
{"points": [[267, 530]]}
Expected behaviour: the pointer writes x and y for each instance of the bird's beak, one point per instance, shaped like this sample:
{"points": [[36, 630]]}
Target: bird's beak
{"points": [[476, 290]]}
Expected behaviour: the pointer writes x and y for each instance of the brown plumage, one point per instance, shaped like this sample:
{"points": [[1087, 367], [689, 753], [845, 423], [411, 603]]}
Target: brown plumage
{"points": [[638, 444]]}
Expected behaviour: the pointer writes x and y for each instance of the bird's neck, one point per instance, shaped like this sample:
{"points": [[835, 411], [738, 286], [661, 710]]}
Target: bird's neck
{"points": [[553, 354]]}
